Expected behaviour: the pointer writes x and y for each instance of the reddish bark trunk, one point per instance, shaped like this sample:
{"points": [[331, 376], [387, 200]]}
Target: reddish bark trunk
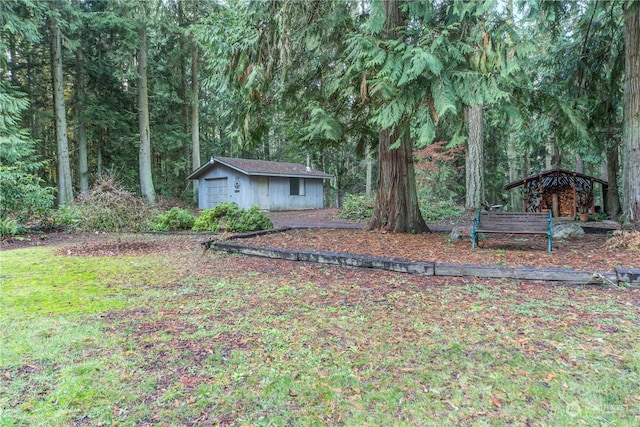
{"points": [[396, 207]]}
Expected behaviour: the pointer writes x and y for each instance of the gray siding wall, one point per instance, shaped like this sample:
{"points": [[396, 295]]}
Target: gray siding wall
{"points": [[270, 193], [280, 199], [238, 187]]}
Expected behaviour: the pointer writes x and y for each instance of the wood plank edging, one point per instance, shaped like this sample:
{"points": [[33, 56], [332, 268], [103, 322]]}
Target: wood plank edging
{"points": [[628, 276], [331, 258], [622, 276]]}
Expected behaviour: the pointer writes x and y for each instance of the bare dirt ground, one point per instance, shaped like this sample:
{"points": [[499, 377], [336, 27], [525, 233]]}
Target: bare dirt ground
{"points": [[588, 253]]}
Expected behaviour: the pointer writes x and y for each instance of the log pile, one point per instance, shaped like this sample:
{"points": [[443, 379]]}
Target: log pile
{"points": [[531, 197], [565, 201], [562, 191]]}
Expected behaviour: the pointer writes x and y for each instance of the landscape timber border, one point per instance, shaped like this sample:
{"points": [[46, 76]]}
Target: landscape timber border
{"points": [[619, 278]]}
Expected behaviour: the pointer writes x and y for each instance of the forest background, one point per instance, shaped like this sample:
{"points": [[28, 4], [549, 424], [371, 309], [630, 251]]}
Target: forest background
{"points": [[465, 96]]}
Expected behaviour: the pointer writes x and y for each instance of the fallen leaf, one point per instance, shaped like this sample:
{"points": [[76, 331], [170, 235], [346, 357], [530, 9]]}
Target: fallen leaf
{"points": [[496, 402]]}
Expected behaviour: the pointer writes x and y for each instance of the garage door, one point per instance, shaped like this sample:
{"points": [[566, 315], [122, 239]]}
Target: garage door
{"points": [[217, 191]]}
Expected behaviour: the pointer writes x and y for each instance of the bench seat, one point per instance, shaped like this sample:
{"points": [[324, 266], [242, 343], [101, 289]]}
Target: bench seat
{"points": [[512, 223]]}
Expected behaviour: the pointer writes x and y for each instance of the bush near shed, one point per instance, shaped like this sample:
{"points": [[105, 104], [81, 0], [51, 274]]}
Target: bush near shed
{"points": [[229, 217]]}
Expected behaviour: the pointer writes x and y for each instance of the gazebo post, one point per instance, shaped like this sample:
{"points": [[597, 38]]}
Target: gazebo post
{"points": [[524, 199], [593, 199]]}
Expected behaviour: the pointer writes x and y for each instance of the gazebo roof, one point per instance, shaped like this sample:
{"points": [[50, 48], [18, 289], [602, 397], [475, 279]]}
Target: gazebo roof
{"points": [[557, 178]]}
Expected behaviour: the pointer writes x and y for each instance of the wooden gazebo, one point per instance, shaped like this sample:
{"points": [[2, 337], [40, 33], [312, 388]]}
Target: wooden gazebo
{"points": [[561, 191]]}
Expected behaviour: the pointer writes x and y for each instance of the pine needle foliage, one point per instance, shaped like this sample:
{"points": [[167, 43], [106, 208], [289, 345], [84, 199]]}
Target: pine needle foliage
{"points": [[443, 58], [23, 194]]}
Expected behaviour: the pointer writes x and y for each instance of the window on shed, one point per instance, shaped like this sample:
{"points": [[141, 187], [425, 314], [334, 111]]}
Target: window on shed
{"points": [[296, 186]]}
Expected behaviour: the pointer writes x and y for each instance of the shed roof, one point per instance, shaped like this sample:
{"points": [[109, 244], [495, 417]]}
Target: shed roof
{"points": [[261, 168], [557, 178]]}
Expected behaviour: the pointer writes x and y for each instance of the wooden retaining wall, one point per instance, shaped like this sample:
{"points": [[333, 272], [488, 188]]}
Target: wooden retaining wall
{"points": [[621, 277]]}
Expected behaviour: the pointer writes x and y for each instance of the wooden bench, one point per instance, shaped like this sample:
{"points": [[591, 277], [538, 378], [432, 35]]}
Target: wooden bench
{"points": [[512, 223]]}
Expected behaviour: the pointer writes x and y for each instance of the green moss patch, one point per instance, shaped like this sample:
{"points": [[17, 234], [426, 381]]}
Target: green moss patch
{"points": [[37, 281]]}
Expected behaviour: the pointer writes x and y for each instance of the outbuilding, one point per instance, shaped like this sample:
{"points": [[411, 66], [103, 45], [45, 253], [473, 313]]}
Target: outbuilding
{"points": [[272, 186], [565, 193]]}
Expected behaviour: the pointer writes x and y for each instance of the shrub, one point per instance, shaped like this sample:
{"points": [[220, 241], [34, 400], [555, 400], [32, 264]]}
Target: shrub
{"points": [[65, 217], [230, 217], [174, 219], [249, 220], [441, 210], [210, 219], [357, 207], [601, 216], [109, 207], [23, 195], [10, 227]]}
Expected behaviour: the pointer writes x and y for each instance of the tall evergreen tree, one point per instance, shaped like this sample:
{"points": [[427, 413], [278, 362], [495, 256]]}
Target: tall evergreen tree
{"points": [[65, 185], [80, 127], [396, 207], [474, 159], [631, 136], [144, 159], [23, 194], [195, 104]]}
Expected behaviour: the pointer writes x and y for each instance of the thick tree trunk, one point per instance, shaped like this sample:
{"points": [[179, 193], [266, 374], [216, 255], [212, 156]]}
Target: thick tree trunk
{"points": [[526, 168], [515, 200], [475, 157], [552, 159], [613, 163], [65, 187], [396, 206], [185, 88], [579, 163], [80, 130], [99, 157], [195, 117], [369, 165], [146, 180], [631, 127]]}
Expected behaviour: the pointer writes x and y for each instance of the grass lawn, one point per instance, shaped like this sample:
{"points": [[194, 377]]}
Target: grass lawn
{"points": [[189, 338]]}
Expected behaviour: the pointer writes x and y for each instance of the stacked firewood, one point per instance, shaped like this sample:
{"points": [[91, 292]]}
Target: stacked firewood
{"points": [[565, 201], [532, 198]]}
